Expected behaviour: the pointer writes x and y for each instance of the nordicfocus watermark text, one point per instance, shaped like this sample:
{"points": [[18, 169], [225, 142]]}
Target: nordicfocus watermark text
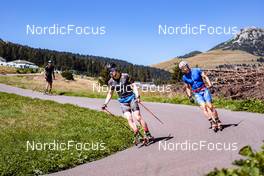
{"points": [[197, 146], [62, 146], [142, 87], [69, 29], [188, 29]]}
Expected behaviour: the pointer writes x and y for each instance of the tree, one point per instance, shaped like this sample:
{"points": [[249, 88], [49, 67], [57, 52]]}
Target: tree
{"points": [[82, 64], [104, 77], [176, 73]]}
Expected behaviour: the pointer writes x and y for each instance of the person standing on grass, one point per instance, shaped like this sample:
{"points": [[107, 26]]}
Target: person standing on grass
{"points": [[195, 82], [128, 98], [49, 76]]}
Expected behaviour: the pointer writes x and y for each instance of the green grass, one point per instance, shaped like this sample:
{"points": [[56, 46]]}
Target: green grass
{"points": [[252, 165], [24, 119], [234, 105]]}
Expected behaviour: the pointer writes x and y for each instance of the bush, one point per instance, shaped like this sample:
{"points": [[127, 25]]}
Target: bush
{"points": [[253, 165], [67, 75], [26, 70], [104, 77]]}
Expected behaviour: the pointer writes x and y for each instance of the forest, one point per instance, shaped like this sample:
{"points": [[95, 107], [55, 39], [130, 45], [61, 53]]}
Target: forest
{"points": [[80, 64]]}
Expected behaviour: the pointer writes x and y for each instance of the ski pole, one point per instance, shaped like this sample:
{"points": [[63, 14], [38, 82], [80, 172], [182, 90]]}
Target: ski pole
{"points": [[151, 112]]}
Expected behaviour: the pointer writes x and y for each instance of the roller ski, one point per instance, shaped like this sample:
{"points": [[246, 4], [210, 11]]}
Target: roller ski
{"points": [[148, 138], [137, 138], [47, 93], [216, 125], [219, 124], [143, 140]]}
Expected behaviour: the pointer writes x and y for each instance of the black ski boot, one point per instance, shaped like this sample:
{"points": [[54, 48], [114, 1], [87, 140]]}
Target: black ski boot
{"points": [[147, 138], [214, 126], [219, 124]]}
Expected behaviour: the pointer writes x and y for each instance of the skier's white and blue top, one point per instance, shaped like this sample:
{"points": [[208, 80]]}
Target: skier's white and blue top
{"points": [[127, 98]]}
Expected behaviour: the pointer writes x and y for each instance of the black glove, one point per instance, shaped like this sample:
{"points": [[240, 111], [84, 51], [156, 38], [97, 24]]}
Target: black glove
{"points": [[191, 99], [212, 89], [104, 107]]}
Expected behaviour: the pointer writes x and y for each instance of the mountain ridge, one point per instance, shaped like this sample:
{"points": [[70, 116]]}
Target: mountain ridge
{"points": [[246, 47]]}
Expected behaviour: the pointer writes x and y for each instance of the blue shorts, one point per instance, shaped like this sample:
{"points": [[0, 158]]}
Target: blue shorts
{"points": [[202, 97]]}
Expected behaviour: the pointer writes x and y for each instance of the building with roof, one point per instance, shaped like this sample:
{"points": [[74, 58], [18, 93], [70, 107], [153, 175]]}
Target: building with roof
{"points": [[22, 64], [2, 61]]}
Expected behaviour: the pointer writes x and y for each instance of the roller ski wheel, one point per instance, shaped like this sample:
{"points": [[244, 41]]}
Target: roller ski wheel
{"points": [[48, 93], [148, 138], [220, 126], [214, 127], [137, 139]]}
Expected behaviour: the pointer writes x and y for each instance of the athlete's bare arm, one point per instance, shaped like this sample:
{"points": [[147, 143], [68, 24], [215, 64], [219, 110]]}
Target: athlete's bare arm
{"points": [[135, 89], [188, 90], [108, 96], [53, 73], [207, 80]]}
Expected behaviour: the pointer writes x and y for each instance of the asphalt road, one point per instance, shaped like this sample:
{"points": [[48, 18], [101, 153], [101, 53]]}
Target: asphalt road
{"points": [[184, 145]]}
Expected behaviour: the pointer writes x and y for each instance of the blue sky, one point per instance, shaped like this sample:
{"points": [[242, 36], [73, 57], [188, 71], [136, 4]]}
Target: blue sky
{"points": [[131, 25]]}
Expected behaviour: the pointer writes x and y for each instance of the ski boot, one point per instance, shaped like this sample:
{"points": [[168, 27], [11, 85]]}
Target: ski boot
{"points": [[219, 124], [214, 126], [137, 138], [147, 138]]}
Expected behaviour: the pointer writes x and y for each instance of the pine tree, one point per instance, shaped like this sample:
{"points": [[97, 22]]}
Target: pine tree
{"points": [[176, 73]]}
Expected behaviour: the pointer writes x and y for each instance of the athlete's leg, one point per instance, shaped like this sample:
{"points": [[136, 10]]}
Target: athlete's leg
{"points": [[212, 109], [50, 85], [133, 125], [137, 115], [209, 104], [140, 119], [47, 86], [207, 112], [200, 100], [214, 114], [131, 122], [136, 112]]}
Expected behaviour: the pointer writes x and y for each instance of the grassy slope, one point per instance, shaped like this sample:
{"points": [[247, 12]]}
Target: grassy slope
{"points": [[23, 119], [83, 88], [212, 58]]}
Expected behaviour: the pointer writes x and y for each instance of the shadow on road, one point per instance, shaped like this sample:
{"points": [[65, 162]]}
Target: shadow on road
{"points": [[231, 125], [166, 138]]}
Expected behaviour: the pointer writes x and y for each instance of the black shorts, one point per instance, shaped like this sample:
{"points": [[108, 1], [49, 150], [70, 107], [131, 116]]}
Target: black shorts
{"points": [[49, 79]]}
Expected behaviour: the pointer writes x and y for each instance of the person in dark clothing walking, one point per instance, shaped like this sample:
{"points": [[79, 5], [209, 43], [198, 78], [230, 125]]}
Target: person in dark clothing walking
{"points": [[49, 76]]}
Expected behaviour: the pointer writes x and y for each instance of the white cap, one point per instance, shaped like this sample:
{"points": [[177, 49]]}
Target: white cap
{"points": [[182, 64]]}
